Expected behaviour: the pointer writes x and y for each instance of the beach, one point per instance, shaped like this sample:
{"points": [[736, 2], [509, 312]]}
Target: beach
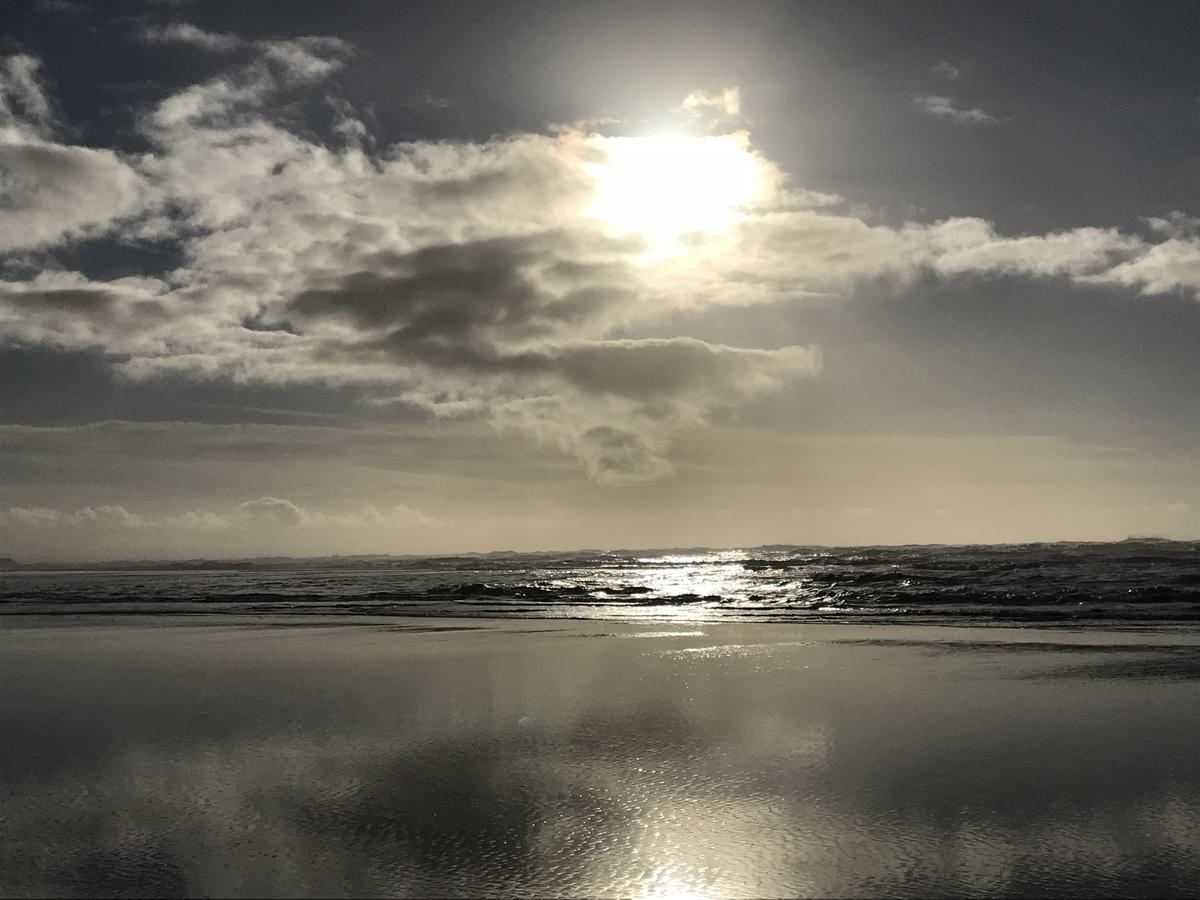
{"points": [[192, 756]]}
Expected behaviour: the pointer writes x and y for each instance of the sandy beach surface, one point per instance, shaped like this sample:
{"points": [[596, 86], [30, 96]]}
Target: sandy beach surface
{"points": [[147, 756]]}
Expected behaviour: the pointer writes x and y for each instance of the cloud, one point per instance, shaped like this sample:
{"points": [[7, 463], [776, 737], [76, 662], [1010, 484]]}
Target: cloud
{"points": [[307, 58], [822, 252], [947, 108], [68, 311], [501, 320], [50, 191], [39, 517], [262, 512], [185, 33], [302, 58], [474, 292], [24, 106], [1172, 265], [1075, 252], [468, 279], [272, 510], [615, 402], [62, 7], [945, 70], [277, 511], [727, 101], [1175, 224]]}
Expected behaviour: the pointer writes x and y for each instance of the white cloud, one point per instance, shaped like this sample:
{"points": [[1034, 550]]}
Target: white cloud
{"points": [[727, 101], [819, 252], [185, 33], [48, 190], [40, 517], [945, 70], [1172, 265], [24, 107], [307, 58], [277, 511], [1175, 224], [271, 512], [1075, 252], [947, 108], [302, 58], [465, 278]]}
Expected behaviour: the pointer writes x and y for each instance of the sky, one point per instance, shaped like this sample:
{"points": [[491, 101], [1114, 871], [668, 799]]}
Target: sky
{"points": [[369, 277]]}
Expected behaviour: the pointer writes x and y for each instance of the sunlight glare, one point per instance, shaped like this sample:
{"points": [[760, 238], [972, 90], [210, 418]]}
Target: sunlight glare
{"points": [[662, 886], [664, 186]]}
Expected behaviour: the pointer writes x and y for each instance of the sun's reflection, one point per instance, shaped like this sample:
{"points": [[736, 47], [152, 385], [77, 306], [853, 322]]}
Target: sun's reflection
{"points": [[717, 581], [664, 883], [677, 559], [692, 587]]}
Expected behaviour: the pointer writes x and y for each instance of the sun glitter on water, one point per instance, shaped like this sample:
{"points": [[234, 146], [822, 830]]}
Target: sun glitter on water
{"points": [[654, 888], [665, 186]]}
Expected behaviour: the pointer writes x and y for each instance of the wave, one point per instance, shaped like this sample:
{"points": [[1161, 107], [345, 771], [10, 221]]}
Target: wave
{"points": [[1129, 582]]}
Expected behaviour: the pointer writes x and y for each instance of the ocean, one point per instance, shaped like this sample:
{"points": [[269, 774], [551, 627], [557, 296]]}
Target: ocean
{"points": [[1131, 583], [908, 722]]}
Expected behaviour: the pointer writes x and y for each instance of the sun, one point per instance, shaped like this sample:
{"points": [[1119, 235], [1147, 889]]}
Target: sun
{"points": [[664, 186]]}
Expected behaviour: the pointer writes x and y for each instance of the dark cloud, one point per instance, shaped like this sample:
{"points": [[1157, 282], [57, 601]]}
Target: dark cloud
{"points": [[507, 314], [62, 311], [503, 288], [650, 369]]}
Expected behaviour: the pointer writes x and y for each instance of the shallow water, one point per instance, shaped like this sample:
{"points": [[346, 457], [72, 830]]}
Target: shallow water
{"points": [[429, 757]]}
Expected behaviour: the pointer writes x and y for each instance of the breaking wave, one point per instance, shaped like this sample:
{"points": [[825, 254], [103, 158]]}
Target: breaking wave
{"points": [[1132, 582]]}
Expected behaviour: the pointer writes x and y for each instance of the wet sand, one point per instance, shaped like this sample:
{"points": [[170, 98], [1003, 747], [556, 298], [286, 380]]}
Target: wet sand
{"points": [[539, 758]]}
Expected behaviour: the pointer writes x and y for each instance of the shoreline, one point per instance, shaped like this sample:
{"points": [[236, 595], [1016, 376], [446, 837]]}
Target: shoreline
{"points": [[1114, 634]]}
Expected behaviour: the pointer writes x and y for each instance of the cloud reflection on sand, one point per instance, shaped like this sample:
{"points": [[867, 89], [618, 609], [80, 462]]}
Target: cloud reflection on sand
{"points": [[355, 761]]}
